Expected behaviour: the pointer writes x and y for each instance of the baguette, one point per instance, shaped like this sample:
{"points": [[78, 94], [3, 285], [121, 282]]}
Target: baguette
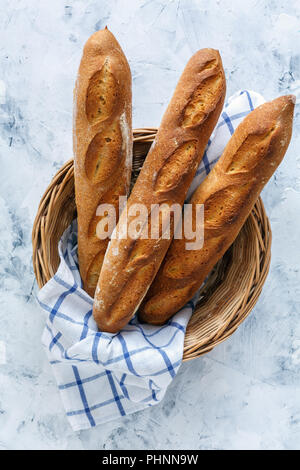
{"points": [[131, 263], [102, 141], [228, 193]]}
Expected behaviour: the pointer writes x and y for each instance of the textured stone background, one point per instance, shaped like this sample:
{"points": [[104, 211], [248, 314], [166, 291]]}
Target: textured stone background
{"points": [[244, 394]]}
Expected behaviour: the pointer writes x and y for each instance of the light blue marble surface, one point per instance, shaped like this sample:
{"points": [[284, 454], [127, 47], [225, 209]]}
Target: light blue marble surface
{"points": [[245, 393]]}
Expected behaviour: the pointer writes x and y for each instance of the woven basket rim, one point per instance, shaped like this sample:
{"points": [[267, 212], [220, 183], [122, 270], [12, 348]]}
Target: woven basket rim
{"points": [[209, 325]]}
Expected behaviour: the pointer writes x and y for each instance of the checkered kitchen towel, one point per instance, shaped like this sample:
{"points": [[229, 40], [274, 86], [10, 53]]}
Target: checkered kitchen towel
{"points": [[103, 376]]}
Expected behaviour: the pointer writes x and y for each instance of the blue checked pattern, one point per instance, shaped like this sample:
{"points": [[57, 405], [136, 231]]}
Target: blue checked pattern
{"points": [[103, 376]]}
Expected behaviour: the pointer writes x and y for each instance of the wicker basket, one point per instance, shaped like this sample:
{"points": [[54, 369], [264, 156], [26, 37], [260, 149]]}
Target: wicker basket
{"points": [[232, 289]]}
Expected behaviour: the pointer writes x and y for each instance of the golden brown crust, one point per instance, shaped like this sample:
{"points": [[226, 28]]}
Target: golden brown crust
{"points": [[228, 193], [130, 265], [102, 137]]}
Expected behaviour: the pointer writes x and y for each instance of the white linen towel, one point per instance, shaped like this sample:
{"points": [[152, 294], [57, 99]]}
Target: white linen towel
{"points": [[103, 376]]}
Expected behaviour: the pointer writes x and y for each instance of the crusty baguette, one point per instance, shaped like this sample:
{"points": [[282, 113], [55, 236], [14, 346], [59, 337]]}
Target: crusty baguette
{"points": [[131, 264], [228, 193], [102, 139]]}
